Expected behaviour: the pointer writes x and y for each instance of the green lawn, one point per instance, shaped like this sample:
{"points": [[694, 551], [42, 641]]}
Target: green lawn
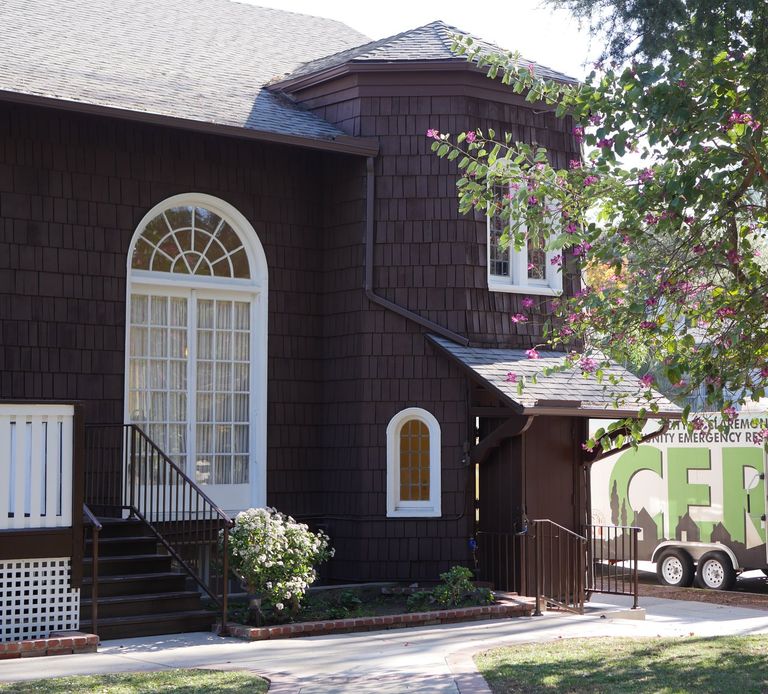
{"points": [[167, 681], [623, 665]]}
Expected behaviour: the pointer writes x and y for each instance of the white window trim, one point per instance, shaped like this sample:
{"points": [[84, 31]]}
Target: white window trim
{"points": [[143, 281], [518, 282], [413, 509]]}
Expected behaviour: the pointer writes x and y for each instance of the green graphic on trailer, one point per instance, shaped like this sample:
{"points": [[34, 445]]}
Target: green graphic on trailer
{"points": [[625, 469], [740, 466], [741, 510]]}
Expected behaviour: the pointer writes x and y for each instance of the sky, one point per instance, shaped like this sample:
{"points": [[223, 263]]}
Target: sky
{"points": [[550, 38]]}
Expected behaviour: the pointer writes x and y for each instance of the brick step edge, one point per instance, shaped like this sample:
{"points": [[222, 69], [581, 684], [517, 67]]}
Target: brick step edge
{"points": [[59, 643], [502, 609]]}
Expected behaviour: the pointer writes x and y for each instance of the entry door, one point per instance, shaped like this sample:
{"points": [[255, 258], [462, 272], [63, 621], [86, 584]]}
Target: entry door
{"points": [[189, 384]]}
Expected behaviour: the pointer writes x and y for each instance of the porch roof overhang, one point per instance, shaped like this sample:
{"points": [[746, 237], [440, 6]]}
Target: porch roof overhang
{"points": [[567, 392]]}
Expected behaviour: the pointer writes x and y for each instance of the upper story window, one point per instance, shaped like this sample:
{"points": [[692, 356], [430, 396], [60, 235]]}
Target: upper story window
{"points": [[413, 464], [528, 270]]}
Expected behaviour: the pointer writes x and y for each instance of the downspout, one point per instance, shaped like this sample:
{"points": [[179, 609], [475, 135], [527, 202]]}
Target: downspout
{"points": [[369, 290]]}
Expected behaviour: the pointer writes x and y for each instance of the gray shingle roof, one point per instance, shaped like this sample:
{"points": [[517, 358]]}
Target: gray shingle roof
{"points": [[431, 42], [203, 60], [569, 389]]}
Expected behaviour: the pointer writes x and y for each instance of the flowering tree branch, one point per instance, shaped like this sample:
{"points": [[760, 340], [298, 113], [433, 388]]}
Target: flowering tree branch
{"points": [[675, 242]]}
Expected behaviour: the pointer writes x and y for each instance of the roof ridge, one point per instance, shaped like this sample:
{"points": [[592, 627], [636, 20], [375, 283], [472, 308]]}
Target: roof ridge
{"points": [[368, 47]]}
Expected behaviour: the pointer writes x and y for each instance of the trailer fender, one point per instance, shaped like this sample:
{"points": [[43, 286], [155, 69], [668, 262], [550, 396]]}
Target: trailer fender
{"points": [[697, 550]]}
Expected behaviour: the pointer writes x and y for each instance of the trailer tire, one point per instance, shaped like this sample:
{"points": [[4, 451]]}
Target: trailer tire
{"points": [[675, 568], [715, 571]]}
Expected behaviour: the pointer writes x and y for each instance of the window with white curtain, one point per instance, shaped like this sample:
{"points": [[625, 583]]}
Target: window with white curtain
{"points": [[196, 361]]}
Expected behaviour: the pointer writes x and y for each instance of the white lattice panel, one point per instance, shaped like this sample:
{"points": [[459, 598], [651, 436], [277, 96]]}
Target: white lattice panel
{"points": [[36, 598]]}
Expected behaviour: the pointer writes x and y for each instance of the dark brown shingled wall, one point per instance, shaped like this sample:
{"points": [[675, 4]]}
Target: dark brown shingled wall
{"points": [[428, 257], [431, 260], [376, 364], [72, 191]]}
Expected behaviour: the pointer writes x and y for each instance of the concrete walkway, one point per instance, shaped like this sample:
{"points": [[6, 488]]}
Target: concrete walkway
{"points": [[431, 660]]}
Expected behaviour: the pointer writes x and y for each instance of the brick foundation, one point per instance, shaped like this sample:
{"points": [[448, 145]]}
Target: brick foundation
{"points": [[502, 609], [62, 643]]}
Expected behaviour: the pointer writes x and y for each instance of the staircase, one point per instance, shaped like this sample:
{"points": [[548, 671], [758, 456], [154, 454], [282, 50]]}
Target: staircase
{"points": [[139, 593]]}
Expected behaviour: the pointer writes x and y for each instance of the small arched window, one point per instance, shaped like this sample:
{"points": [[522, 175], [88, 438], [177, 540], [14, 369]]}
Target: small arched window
{"points": [[413, 464]]}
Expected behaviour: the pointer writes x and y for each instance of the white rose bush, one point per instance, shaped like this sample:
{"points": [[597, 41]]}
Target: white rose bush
{"points": [[275, 556]]}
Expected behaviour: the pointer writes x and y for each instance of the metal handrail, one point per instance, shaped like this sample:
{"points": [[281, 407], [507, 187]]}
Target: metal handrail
{"points": [[609, 548], [561, 582], [96, 527], [154, 489]]}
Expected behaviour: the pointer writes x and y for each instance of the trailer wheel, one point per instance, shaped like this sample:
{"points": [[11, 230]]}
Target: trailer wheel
{"points": [[675, 568], [716, 572]]}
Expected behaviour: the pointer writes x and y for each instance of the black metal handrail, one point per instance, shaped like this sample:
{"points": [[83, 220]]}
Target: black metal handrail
{"points": [[612, 556], [90, 519], [192, 527], [560, 566]]}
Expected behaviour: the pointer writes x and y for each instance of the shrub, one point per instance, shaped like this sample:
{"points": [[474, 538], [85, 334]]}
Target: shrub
{"points": [[456, 590], [275, 557]]}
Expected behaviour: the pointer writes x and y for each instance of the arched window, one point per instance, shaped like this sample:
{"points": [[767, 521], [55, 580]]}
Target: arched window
{"points": [[413, 464], [196, 344]]}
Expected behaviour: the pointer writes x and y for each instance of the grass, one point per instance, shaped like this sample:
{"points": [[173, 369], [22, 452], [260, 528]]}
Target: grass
{"points": [[625, 666], [167, 681]]}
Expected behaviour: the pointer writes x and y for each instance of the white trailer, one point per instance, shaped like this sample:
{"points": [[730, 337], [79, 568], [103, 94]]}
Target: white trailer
{"points": [[699, 500]]}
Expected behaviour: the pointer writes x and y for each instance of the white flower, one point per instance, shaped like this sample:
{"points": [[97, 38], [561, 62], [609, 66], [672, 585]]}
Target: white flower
{"points": [[279, 606]]}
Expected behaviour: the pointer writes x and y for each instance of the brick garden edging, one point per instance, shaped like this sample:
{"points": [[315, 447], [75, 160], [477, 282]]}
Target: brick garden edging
{"points": [[502, 609], [61, 643]]}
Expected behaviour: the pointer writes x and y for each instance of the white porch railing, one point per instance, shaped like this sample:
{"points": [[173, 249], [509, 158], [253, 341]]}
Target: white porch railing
{"points": [[36, 465]]}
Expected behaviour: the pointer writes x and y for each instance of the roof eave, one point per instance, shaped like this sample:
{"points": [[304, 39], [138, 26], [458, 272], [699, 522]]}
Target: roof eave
{"points": [[292, 84], [346, 144], [600, 413]]}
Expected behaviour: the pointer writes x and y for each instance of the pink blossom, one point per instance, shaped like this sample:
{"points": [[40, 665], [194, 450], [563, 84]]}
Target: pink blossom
{"points": [[725, 312], [760, 436], [527, 302], [433, 133], [647, 380], [471, 135], [511, 378], [532, 353], [584, 447], [588, 365], [531, 69], [764, 372], [578, 133], [606, 142], [651, 218], [733, 256], [651, 301], [556, 260], [730, 412], [698, 249], [590, 180], [571, 228], [533, 201], [574, 164], [697, 424], [713, 380], [519, 318], [646, 175], [648, 325], [581, 249], [682, 84], [565, 332], [595, 119]]}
